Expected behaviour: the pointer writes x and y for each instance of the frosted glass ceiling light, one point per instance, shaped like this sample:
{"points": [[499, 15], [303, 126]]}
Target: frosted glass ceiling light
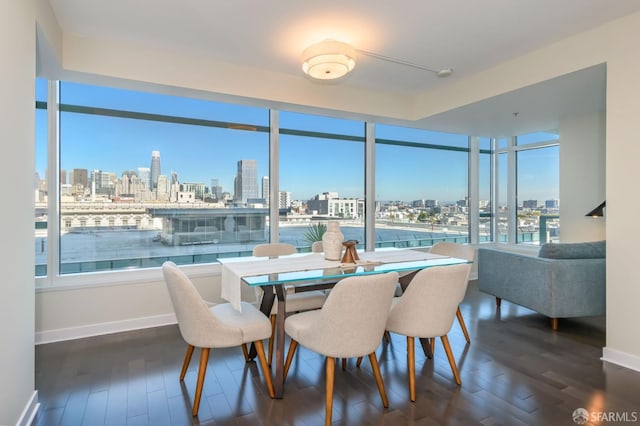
{"points": [[331, 59], [328, 60]]}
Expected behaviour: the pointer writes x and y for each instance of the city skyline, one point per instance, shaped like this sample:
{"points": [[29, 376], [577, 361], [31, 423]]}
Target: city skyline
{"points": [[68, 173]]}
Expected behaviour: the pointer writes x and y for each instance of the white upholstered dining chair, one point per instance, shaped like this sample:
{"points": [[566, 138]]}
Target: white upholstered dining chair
{"points": [[274, 249], [427, 309], [296, 302], [461, 251], [218, 326], [317, 247], [350, 324]]}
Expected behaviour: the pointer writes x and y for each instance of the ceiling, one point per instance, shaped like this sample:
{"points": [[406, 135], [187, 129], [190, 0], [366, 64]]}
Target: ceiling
{"points": [[467, 36]]}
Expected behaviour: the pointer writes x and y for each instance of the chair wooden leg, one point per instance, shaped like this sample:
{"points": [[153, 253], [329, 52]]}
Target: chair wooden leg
{"points": [[292, 350], [452, 361], [271, 339], [330, 367], [463, 326], [245, 352], [359, 361], [498, 302], [187, 360], [554, 324], [265, 367], [376, 373], [387, 336], [202, 370], [344, 364], [411, 365]]}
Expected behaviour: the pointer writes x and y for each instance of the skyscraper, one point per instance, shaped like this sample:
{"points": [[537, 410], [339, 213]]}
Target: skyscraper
{"points": [[246, 181], [265, 188], [79, 177], [144, 174], [155, 169], [216, 189]]}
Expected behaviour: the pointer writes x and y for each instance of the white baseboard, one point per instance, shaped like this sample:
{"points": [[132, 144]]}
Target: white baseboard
{"points": [[71, 333], [623, 359], [28, 415]]}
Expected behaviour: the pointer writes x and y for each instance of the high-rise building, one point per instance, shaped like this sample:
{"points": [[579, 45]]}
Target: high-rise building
{"points": [[144, 174], [265, 188], [79, 177], [530, 204], [155, 169], [126, 183], [197, 188], [216, 189], [551, 204], [284, 199], [162, 188], [246, 181], [103, 183]]}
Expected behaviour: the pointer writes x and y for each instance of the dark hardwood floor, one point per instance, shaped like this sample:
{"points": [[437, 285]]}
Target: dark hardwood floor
{"points": [[515, 371]]}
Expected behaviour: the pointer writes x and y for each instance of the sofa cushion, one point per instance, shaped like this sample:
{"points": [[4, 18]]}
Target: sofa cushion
{"points": [[586, 250]]}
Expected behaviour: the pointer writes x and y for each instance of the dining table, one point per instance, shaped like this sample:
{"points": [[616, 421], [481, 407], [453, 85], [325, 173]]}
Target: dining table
{"points": [[278, 276]]}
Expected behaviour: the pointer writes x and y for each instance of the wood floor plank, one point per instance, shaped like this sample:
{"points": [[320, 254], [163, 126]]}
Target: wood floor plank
{"points": [[96, 409]]}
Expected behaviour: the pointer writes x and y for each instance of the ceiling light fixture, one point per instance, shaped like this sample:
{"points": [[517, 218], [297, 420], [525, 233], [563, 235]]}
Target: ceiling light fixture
{"points": [[328, 60], [331, 59]]}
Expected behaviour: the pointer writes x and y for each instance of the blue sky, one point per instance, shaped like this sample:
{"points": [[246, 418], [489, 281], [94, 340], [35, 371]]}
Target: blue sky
{"points": [[308, 166]]}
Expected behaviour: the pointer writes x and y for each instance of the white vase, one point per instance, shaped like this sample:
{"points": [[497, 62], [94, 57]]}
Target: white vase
{"points": [[332, 241]]}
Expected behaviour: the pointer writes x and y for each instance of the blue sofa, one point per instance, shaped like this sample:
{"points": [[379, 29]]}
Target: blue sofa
{"points": [[564, 280]]}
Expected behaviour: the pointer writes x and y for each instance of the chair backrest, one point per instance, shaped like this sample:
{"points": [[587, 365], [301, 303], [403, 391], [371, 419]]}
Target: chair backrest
{"points": [[353, 318], [461, 251], [198, 326], [316, 247], [428, 306], [274, 249]]}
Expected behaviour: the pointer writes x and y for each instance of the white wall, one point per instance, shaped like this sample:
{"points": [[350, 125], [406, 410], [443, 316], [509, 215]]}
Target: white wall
{"points": [[17, 100], [582, 177], [613, 43], [623, 203], [80, 311]]}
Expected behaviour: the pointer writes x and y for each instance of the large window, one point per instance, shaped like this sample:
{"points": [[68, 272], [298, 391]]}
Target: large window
{"points": [[321, 177], [147, 177], [528, 196], [421, 187], [538, 195], [125, 180]]}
